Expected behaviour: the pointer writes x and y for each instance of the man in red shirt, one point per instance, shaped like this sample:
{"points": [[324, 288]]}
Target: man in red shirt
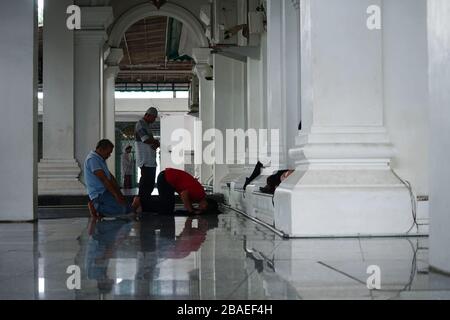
{"points": [[190, 191]]}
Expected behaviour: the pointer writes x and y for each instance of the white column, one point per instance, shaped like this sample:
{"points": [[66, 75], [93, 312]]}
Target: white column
{"points": [[343, 184], [206, 116], [229, 113], [58, 169], [18, 122], [89, 63], [291, 72], [439, 72], [203, 69], [276, 100], [109, 106], [223, 116]]}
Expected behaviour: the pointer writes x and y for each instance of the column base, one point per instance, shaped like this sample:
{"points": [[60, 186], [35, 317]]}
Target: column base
{"points": [[343, 202], [59, 177]]}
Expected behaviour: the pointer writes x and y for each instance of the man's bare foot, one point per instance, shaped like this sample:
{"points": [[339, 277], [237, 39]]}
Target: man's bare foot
{"points": [[92, 210]]}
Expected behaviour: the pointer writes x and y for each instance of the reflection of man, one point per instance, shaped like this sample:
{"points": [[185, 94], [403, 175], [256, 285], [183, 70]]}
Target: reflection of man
{"points": [[127, 167], [190, 239], [166, 243], [105, 238], [146, 146]]}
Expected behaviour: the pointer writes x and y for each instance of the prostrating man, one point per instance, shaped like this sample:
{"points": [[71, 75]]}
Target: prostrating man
{"points": [[190, 191], [146, 146], [104, 192]]}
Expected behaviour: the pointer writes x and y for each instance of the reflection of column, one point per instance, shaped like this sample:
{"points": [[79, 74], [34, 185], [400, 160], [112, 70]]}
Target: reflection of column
{"points": [[109, 104], [89, 44], [343, 184], [439, 46], [18, 120], [58, 170]]}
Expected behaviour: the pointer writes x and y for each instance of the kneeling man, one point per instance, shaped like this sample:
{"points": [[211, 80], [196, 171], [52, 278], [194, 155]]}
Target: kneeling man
{"points": [[104, 192], [189, 189]]}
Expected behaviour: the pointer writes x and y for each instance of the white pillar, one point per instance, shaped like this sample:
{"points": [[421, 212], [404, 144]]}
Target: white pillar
{"points": [[343, 185], [109, 106], [291, 73], [223, 117], [276, 100], [89, 63], [229, 113], [58, 169], [203, 69], [439, 68], [18, 121]]}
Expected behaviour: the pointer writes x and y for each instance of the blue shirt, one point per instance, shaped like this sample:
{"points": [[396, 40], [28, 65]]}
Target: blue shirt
{"points": [[94, 185]]}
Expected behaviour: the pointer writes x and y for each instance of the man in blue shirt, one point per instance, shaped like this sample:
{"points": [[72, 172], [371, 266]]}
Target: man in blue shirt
{"points": [[104, 192]]}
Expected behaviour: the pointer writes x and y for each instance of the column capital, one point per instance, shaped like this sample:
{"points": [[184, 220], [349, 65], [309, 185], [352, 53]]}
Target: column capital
{"points": [[203, 60], [202, 55], [96, 18], [203, 71], [114, 57]]}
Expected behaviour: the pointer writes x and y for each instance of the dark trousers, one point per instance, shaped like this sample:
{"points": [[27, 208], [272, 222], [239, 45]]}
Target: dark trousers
{"points": [[146, 186], [166, 195], [127, 181]]}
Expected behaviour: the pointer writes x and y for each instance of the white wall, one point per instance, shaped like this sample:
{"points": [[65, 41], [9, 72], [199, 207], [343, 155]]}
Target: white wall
{"points": [[439, 57], [129, 109], [18, 121], [406, 88]]}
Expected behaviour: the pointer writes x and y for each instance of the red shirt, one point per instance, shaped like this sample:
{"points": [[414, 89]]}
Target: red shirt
{"points": [[181, 181]]}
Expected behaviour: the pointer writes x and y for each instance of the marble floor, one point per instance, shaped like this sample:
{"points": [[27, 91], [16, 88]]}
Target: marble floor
{"points": [[207, 257]]}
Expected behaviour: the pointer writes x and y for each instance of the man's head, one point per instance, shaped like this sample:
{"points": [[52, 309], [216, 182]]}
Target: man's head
{"points": [[104, 148], [208, 205], [151, 115]]}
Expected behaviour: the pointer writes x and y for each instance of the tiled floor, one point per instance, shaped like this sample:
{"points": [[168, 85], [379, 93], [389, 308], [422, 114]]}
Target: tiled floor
{"points": [[210, 257]]}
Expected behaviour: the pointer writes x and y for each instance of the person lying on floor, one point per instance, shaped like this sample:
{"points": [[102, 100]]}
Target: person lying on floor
{"points": [[275, 180], [106, 199], [190, 190]]}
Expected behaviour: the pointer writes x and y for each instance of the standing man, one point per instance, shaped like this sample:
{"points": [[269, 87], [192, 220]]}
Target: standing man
{"points": [[127, 167], [146, 146]]}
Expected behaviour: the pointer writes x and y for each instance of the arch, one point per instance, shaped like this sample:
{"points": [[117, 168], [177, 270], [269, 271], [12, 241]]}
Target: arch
{"points": [[145, 10]]}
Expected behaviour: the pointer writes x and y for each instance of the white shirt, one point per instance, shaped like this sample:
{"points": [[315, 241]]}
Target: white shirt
{"points": [[145, 154], [127, 164]]}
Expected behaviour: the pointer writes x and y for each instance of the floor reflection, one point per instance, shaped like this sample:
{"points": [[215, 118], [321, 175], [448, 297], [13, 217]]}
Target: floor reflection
{"points": [[130, 259], [205, 257]]}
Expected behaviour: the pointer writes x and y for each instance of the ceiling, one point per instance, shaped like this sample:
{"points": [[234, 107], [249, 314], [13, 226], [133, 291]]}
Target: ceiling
{"points": [[146, 45]]}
